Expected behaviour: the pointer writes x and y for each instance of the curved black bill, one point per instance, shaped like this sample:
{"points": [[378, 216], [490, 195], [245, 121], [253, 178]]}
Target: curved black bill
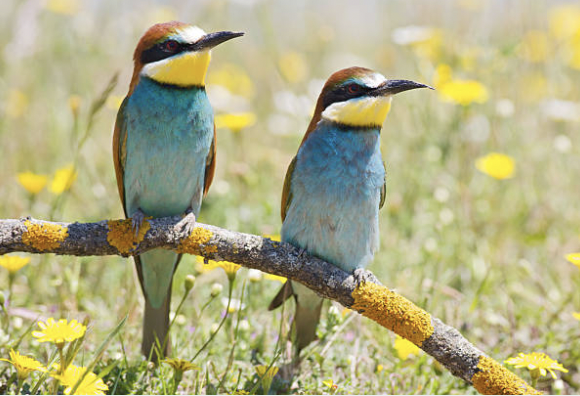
{"points": [[392, 87], [210, 40]]}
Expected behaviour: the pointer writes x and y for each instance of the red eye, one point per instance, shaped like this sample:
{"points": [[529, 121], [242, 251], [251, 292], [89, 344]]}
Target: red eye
{"points": [[353, 88], [171, 45]]}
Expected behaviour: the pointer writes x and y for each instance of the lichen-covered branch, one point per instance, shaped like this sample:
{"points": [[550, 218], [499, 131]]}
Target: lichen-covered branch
{"points": [[360, 291]]}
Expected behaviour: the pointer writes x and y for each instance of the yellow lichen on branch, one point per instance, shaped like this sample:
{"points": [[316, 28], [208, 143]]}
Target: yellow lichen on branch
{"points": [[193, 243], [44, 236], [122, 236], [393, 312], [494, 379]]}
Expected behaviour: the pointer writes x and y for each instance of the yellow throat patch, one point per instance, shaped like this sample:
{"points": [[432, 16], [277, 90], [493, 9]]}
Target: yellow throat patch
{"points": [[184, 70], [359, 112]]}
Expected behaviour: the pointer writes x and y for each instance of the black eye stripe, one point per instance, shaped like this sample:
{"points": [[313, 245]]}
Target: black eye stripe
{"points": [[159, 51], [341, 94]]}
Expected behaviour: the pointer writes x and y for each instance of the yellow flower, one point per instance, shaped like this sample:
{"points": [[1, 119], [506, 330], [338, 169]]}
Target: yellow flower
{"points": [[233, 78], [379, 368], [576, 315], [16, 103], [32, 182], [90, 385], [535, 47], [229, 268], [203, 268], [293, 66], [65, 7], [63, 179], [574, 258], [274, 237], [536, 361], [330, 384], [463, 92], [496, 165], [13, 263], [266, 376], [564, 21], [276, 278], [59, 332], [181, 365], [235, 122], [24, 365], [443, 75], [405, 348]]}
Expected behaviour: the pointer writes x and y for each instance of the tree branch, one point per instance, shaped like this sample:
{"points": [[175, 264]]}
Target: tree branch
{"points": [[360, 291]]}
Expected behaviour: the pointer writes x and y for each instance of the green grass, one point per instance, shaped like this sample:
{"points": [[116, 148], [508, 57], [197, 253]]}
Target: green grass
{"points": [[484, 255]]}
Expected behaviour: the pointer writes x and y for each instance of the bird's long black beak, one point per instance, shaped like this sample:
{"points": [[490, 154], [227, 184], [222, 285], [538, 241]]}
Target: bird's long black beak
{"points": [[210, 40], [391, 87]]}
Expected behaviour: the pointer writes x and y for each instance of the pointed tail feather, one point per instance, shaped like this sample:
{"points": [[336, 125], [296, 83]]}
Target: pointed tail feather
{"points": [[155, 343], [306, 321], [308, 308], [284, 294]]}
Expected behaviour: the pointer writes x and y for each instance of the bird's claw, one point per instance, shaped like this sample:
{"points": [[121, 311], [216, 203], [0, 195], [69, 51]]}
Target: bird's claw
{"points": [[186, 225], [137, 220]]}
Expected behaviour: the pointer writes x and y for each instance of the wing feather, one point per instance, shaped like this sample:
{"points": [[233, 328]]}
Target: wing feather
{"points": [[286, 191], [210, 164], [120, 151], [383, 188]]}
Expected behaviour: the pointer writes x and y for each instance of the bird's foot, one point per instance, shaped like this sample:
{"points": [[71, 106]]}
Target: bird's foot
{"points": [[360, 275], [186, 225], [137, 220]]}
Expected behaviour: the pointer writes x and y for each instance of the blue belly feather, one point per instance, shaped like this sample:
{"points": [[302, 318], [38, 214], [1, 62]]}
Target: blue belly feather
{"points": [[336, 187], [169, 135]]}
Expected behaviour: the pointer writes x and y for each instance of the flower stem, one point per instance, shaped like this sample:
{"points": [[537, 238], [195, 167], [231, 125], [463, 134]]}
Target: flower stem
{"points": [[19, 385], [177, 376], [61, 369], [234, 341], [175, 317], [535, 374], [210, 339]]}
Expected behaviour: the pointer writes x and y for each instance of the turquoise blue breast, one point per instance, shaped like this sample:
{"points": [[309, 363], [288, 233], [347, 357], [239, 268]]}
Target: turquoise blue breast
{"points": [[169, 134], [336, 188]]}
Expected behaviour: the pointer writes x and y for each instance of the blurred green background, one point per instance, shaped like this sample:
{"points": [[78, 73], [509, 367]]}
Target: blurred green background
{"points": [[476, 243]]}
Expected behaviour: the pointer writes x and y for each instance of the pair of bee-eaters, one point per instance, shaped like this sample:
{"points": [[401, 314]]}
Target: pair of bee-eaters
{"points": [[164, 150]]}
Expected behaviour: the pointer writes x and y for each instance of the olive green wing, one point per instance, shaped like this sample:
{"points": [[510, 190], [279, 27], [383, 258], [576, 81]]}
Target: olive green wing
{"points": [[286, 191], [120, 150], [383, 188]]}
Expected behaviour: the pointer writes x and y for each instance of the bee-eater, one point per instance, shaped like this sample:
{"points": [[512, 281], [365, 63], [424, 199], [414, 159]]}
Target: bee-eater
{"points": [[164, 150], [335, 185]]}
